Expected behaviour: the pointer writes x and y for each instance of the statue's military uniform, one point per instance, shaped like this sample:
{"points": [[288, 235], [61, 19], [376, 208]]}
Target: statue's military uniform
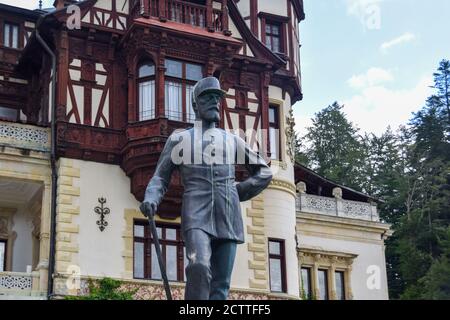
{"points": [[211, 200], [211, 213]]}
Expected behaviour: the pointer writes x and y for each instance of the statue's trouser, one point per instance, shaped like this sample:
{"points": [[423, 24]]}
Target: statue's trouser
{"points": [[210, 266]]}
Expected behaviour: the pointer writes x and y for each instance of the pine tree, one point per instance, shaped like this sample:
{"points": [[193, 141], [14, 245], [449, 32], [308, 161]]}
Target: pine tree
{"points": [[335, 150]]}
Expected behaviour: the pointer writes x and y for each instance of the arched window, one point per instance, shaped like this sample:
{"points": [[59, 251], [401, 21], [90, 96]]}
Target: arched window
{"points": [[146, 91], [180, 80]]}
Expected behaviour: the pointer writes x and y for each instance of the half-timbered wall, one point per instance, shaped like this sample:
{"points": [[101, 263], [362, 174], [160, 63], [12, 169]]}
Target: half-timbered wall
{"points": [[110, 14]]}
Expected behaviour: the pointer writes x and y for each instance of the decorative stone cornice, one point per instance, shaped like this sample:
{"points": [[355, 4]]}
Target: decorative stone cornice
{"points": [[283, 186]]}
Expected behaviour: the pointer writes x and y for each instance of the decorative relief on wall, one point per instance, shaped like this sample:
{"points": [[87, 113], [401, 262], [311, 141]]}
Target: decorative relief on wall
{"points": [[290, 135], [102, 211]]}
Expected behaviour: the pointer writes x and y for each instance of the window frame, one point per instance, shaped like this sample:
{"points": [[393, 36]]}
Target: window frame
{"points": [[5, 254], [309, 295], [282, 258], [277, 126], [184, 82], [344, 291], [10, 35], [140, 80], [179, 243], [273, 19], [326, 282]]}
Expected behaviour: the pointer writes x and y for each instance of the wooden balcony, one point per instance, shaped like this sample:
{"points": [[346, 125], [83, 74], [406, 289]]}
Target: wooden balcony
{"points": [[213, 15]]}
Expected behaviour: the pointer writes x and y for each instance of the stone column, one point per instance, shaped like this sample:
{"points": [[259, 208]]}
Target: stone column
{"points": [[44, 238], [332, 279]]}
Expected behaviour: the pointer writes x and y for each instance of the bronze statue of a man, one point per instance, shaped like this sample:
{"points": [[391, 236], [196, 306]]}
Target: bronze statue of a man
{"points": [[211, 220]]}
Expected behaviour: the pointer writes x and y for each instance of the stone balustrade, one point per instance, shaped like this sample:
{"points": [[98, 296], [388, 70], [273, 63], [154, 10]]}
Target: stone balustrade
{"points": [[336, 207], [24, 136]]}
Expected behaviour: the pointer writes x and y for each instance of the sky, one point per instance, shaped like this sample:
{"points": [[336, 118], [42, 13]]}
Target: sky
{"points": [[376, 57]]}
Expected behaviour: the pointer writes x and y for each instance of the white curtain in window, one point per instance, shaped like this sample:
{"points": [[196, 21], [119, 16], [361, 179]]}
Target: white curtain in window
{"points": [[274, 146], [174, 103], [15, 37], [138, 260], [6, 35], [147, 101]]}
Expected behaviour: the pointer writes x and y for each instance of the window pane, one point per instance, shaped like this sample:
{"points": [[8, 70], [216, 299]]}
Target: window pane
{"points": [[174, 68], [174, 101], [272, 117], [171, 234], [276, 44], [6, 35], [275, 275], [268, 29], [138, 260], [306, 282], [274, 143], [269, 42], [190, 116], [274, 247], [15, 37], [193, 72], [147, 102], [340, 288], [8, 114], [323, 285], [156, 272], [139, 231], [147, 70], [171, 262], [275, 29]]}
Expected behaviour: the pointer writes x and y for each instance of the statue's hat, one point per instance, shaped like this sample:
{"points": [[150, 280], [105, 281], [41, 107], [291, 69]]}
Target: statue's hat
{"points": [[207, 85]]}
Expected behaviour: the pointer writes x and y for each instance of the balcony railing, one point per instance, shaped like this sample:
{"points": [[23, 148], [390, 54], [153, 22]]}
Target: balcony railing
{"points": [[24, 136], [336, 207], [18, 285], [204, 16]]}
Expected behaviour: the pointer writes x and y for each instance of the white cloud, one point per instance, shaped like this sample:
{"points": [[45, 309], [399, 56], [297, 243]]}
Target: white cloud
{"points": [[376, 107], [404, 38], [374, 76]]}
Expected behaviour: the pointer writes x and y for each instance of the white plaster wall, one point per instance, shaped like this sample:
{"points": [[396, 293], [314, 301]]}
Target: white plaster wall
{"points": [[280, 221], [101, 252], [23, 245], [273, 7], [244, 8], [234, 30], [369, 254]]}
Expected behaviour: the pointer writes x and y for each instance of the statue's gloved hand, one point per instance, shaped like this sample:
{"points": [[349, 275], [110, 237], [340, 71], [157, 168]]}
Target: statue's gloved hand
{"points": [[148, 209]]}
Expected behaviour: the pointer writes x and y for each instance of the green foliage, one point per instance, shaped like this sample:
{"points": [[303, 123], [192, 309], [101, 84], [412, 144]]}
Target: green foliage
{"points": [[105, 289], [409, 171], [335, 149]]}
